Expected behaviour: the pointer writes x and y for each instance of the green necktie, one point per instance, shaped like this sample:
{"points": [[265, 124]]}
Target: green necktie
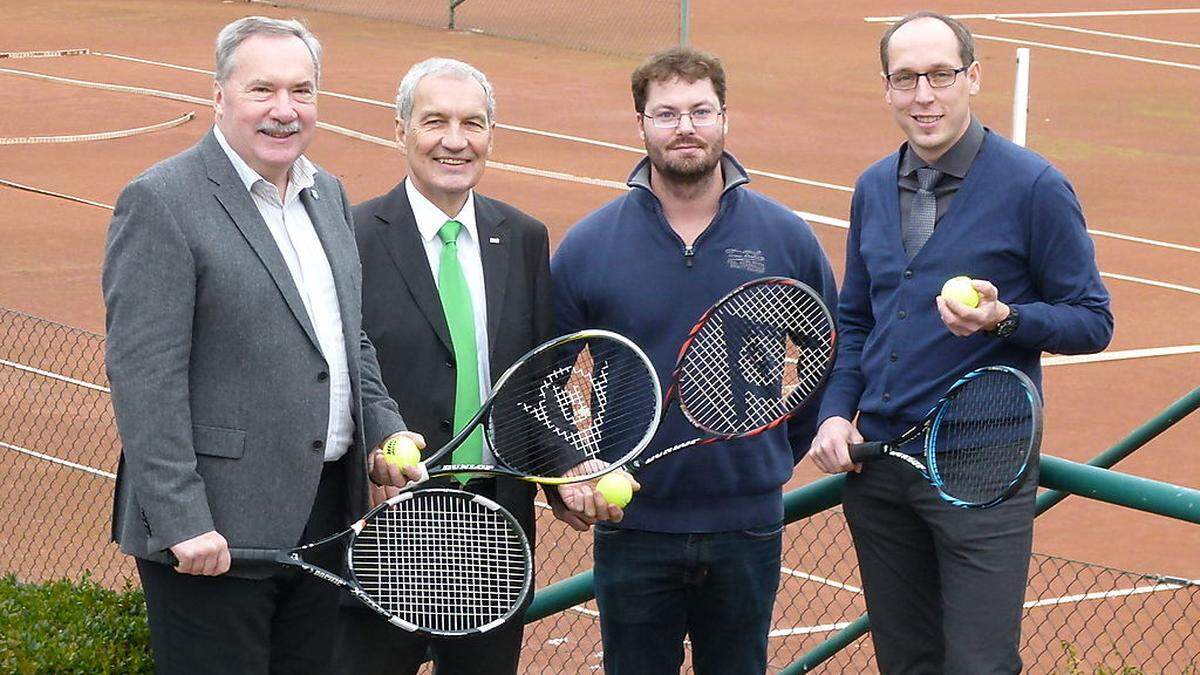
{"points": [[460, 317]]}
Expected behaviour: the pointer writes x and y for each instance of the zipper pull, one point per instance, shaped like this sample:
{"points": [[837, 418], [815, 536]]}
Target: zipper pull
{"points": [[689, 252]]}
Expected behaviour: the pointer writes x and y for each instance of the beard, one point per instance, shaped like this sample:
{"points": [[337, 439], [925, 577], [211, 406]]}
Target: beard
{"points": [[690, 170]]}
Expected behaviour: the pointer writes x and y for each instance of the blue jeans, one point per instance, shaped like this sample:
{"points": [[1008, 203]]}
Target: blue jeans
{"points": [[654, 588]]}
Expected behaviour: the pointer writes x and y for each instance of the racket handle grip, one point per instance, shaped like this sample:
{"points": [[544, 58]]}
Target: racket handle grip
{"points": [[253, 555], [865, 452], [238, 555]]}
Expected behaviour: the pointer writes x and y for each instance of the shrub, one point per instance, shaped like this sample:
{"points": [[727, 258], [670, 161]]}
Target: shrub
{"points": [[72, 627]]}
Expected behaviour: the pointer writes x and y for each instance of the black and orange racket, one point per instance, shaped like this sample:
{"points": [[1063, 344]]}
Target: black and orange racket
{"points": [[753, 360]]}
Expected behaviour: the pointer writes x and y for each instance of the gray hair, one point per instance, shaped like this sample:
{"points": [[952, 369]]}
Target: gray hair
{"points": [[437, 66], [234, 34]]}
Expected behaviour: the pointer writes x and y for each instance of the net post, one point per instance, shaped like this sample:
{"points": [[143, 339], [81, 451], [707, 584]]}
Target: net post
{"points": [[451, 7], [683, 22], [1021, 97]]}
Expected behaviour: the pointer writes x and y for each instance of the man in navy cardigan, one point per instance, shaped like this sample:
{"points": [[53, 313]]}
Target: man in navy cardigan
{"points": [[697, 551], [944, 586]]}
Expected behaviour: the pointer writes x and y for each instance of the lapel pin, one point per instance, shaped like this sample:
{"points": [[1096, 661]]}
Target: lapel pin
{"points": [[315, 196], [493, 240]]}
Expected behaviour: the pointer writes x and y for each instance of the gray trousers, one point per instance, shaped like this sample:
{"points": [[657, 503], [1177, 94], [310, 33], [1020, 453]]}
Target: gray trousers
{"points": [[944, 585]]}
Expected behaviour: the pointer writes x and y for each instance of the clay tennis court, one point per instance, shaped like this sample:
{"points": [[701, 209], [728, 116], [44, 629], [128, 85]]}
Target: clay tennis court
{"points": [[1115, 103]]}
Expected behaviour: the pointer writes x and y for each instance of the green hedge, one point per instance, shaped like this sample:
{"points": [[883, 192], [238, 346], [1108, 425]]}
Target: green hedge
{"points": [[72, 627]]}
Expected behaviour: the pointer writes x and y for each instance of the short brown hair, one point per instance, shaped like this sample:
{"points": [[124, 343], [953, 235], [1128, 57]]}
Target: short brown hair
{"points": [[684, 63], [966, 43]]}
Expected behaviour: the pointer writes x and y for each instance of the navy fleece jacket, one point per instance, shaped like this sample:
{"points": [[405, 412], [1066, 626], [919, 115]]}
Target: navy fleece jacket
{"points": [[623, 268]]}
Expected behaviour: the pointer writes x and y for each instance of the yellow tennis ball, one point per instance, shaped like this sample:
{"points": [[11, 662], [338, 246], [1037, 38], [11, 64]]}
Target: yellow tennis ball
{"points": [[960, 289], [616, 489], [401, 451]]}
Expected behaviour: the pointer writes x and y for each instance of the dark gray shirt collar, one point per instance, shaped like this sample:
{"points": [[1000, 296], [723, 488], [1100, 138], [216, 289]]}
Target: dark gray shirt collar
{"points": [[957, 160]]}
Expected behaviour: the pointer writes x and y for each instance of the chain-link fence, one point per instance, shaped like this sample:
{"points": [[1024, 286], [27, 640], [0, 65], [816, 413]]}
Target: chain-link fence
{"points": [[59, 447], [633, 28]]}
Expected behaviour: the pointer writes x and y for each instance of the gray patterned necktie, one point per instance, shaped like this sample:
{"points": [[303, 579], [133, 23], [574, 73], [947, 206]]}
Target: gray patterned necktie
{"points": [[923, 213]]}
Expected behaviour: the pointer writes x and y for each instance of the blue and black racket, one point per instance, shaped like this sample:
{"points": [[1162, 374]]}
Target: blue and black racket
{"points": [[978, 442]]}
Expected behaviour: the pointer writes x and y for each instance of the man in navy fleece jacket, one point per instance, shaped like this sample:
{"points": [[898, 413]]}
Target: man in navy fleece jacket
{"points": [[697, 551], [944, 585]]}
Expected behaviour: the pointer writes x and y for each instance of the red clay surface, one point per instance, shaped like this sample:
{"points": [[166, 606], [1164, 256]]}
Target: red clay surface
{"points": [[804, 100]]}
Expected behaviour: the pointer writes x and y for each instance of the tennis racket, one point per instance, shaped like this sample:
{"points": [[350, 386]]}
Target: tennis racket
{"points": [[436, 561], [751, 362], [978, 442], [570, 410]]}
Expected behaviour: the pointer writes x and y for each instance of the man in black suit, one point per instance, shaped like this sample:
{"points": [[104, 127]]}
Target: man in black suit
{"points": [[452, 281]]}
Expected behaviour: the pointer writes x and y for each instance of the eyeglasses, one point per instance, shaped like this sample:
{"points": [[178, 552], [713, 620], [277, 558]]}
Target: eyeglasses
{"points": [[700, 117], [938, 79]]}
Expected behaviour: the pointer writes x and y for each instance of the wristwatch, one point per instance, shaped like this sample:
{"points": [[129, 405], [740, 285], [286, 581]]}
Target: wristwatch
{"points": [[1009, 325]]}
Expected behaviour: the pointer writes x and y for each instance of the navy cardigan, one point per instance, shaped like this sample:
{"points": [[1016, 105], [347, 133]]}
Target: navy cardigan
{"points": [[1015, 222]]}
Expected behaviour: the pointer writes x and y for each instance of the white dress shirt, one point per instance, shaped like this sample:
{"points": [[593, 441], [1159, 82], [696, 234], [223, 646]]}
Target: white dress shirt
{"points": [[301, 248], [430, 219]]}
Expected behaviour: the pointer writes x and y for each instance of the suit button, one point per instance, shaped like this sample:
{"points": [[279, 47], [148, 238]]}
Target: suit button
{"points": [[447, 425], [893, 357], [322, 376], [317, 445], [902, 314], [449, 364], [887, 397], [907, 274]]}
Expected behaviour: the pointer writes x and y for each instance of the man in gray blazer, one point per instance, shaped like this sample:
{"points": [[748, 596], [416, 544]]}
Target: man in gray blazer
{"points": [[247, 397]]}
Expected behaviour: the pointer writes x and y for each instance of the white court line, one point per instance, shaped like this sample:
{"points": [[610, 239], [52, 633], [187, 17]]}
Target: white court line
{"points": [[72, 465], [542, 173], [507, 127], [1151, 282], [54, 376], [821, 580], [1143, 240], [1049, 15], [808, 630], [1121, 355], [1091, 52], [1140, 590], [1046, 602], [1088, 31]]}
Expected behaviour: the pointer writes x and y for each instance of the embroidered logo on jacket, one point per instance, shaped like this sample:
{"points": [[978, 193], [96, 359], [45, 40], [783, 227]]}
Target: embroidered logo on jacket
{"points": [[745, 259]]}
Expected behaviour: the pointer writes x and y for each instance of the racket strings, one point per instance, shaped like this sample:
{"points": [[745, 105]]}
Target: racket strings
{"points": [[593, 400], [756, 358], [983, 438], [443, 562]]}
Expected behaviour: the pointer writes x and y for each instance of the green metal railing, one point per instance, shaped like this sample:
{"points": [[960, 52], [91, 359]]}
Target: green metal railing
{"points": [[1093, 480]]}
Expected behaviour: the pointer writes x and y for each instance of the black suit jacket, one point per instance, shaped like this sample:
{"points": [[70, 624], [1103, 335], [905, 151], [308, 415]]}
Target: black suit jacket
{"points": [[403, 316]]}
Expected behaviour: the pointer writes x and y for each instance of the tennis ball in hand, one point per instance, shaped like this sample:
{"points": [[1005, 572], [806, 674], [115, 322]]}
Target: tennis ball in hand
{"points": [[960, 289], [616, 489], [401, 451]]}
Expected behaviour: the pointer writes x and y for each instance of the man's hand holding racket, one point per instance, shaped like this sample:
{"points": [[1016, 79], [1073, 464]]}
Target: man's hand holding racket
{"points": [[203, 555], [830, 448]]}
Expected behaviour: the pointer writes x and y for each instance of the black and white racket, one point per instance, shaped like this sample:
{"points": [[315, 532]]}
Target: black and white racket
{"points": [[436, 561], [751, 362], [570, 410], [978, 442]]}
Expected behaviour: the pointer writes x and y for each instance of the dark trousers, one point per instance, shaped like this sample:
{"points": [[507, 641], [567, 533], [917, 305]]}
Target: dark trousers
{"points": [[654, 588], [944, 585], [367, 644], [229, 625]]}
